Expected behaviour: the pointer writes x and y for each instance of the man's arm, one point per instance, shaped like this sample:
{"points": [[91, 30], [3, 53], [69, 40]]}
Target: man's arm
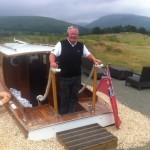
{"points": [[55, 53], [90, 56], [95, 61], [52, 60]]}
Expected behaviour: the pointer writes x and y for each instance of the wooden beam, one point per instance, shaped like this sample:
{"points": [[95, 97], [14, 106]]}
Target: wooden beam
{"points": [[54, 94], [94, 88]]}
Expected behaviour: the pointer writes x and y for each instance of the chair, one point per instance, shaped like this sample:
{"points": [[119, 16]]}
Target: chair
{"points": [[140, 81], [87, 67]]}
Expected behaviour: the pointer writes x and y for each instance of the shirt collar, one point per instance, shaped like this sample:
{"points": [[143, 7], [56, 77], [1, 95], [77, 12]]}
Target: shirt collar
{"points": [[71, 43]]}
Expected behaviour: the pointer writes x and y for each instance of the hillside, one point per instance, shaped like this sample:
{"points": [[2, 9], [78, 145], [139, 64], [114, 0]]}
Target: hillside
{"points": [[33, 24], [121, 19], [46, 25]]}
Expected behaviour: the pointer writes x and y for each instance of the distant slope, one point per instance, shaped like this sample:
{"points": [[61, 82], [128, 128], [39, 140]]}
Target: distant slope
{"points": [[33, 24], [121, 19]]}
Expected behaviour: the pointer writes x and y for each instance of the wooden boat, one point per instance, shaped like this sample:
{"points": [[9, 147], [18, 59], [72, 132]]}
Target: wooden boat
{"points": [[25, 73]]}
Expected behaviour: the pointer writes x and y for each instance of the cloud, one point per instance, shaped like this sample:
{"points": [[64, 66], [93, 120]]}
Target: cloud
{"points": [[74, 10]]}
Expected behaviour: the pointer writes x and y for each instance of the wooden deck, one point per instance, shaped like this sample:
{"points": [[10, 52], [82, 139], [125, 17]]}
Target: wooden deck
{"points": [[42, 116]]}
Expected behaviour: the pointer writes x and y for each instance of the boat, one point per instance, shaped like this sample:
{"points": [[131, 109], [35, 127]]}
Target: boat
{"points": [[25, 73]]}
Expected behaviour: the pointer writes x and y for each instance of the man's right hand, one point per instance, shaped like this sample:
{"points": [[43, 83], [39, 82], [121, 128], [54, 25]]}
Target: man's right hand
{"points": [[54, 65]]}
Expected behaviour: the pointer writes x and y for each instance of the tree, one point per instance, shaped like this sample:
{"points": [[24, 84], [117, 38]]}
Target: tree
{"points": [[96, 30], [142, 30]]}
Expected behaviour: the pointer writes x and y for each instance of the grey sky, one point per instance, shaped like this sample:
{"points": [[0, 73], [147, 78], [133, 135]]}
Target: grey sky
{"points": [[74, 10]]}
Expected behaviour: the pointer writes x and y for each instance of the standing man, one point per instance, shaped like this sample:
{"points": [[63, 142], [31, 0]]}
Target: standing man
{"points": [[70, 53]]}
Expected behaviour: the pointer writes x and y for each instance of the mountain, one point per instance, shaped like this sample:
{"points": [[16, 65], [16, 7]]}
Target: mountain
{"points": [[121, 19], [46, 25], [34, 24]]}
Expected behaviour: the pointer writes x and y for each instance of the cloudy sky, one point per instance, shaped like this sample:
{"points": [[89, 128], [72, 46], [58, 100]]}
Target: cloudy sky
{"points": [[74, 11]]}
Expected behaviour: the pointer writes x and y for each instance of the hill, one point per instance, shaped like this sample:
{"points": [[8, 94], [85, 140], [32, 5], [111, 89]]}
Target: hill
{"points": [[121, 19], [34, 24], [46, 25]]}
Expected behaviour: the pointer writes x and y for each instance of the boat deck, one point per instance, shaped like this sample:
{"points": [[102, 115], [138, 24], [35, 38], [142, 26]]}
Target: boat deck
{"points": [[42, 116]]}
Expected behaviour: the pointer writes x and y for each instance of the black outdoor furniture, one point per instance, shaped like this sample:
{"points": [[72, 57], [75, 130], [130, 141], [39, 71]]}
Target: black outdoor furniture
{"points": [[87, 67], [120, 72], [140, 81]]}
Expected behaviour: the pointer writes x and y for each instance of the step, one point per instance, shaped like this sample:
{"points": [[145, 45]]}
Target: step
{"points": [[90, 137]]}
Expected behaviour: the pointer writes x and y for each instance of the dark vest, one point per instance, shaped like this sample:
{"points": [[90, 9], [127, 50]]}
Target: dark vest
{"points": [[70, 59]]}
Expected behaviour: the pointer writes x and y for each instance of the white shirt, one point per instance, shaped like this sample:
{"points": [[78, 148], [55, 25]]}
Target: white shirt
{"points": [[57, 50]]}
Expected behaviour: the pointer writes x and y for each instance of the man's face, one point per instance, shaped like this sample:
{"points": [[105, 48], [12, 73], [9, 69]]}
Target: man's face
{"points": [[73, 35]]}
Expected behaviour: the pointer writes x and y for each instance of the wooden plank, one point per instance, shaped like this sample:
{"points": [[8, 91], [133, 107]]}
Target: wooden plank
{"points": [[22, 128], [100, 107]]}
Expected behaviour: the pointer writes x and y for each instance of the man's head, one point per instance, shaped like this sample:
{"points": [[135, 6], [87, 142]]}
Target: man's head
{"points": [[73, 33]]}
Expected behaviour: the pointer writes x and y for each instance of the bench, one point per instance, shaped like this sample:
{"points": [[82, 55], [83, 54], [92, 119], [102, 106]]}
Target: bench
{"points": [[119, 72]]}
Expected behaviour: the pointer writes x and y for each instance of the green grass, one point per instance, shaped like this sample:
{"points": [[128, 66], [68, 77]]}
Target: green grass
{"points": [[130, 50]]}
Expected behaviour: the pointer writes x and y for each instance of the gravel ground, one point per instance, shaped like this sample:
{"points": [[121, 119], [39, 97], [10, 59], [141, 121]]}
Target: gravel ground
{"points": [[134, 111], [12, 138], [137, 101], [134, 132]]}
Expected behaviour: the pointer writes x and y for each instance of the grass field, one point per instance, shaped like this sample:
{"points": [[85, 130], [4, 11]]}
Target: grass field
{"points": [[130, 50]]}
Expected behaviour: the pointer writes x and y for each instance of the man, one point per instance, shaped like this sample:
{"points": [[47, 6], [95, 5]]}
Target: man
{"points": [[70, 53]]}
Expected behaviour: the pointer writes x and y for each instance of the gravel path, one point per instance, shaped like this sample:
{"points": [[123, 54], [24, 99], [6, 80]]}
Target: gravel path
{"points": [[135, 100]]}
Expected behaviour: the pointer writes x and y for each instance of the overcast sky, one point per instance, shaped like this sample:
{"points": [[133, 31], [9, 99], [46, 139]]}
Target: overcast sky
{"points": [[74, 11]]}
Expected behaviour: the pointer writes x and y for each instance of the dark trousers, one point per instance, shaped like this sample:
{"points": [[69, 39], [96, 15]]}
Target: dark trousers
{"points": [[68, 98]]}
